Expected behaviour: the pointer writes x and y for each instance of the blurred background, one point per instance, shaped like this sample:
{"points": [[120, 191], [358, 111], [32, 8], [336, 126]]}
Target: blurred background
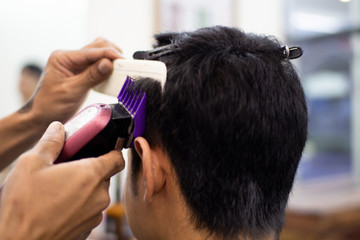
{"points": [[325, 203]]}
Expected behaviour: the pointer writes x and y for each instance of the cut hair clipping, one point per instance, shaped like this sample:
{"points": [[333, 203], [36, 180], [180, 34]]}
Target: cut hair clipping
{"points": [[154, 53], [292, 52]]}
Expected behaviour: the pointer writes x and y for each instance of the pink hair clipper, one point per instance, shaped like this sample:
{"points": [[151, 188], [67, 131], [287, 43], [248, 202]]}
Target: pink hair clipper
{"points": [[95, 130]]}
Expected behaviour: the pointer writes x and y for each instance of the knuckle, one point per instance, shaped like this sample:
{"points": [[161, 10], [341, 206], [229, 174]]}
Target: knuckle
{"points": [[91, 76], [98, 219], [84, 235], [118, 166], [105, 200], [100, 40], [118, 163], [93, 222], [65, 88], [55, 54]]}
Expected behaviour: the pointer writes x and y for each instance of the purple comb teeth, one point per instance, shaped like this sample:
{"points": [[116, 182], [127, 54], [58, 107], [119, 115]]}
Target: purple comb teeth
{"points": [[134, 101]]}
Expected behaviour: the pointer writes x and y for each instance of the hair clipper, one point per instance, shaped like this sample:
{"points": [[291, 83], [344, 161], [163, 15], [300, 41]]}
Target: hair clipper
{"points": [[96, 129]]}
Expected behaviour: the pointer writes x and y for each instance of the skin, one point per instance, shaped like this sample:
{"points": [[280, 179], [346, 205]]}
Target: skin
{"points": [[158, 210], [158, 201], [64, 84], [41, 200]]}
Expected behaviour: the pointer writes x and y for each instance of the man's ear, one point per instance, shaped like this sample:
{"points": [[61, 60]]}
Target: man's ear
{"points": [[153, 172]]}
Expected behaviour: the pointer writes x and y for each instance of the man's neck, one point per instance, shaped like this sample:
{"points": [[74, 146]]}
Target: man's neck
{"points": [[181, 227], [173, 217]]}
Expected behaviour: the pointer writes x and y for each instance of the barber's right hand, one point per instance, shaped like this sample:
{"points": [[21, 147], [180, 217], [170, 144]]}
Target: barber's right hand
{"points": [[66, 80], [41, 200]]}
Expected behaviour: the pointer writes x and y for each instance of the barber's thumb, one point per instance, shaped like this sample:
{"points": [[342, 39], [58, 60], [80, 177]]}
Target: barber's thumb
{"points": [[109, 164], [98, 72], [51, 143]]}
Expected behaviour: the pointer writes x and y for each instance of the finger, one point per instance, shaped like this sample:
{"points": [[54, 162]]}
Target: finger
{"points": [[85, 57], [95, 74], [106, 184], [51, 143], [90, 224], [108, 165], [83, 236], [84, 229], [102, 42]]}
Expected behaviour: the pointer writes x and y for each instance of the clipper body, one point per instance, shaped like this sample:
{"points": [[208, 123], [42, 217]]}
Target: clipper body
{"points": [[95, 130]]}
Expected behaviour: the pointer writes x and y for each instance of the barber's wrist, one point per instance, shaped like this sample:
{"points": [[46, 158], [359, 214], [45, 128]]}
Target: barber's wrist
{"points": [[35, 118], [32, 122]]}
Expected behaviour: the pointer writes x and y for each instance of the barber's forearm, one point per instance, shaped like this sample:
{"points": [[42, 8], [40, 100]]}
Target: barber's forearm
{"points": [[18, 132]]}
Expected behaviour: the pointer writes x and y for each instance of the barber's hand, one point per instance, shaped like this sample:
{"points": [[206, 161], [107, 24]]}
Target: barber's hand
{"points": [[67, 78], [41, 200]]}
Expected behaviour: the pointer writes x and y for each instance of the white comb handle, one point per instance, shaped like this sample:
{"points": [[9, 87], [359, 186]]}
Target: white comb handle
{"points": [[134, 69]]}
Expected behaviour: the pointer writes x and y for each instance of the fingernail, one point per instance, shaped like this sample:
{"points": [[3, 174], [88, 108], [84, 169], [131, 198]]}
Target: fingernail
{"points": [[54, 126], [104, 68], [120, 53]]}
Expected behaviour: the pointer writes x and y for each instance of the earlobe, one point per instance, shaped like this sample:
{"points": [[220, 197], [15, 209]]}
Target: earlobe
{"points": [[153, 174]]}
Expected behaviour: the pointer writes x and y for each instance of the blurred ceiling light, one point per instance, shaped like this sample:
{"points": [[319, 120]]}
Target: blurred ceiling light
{"points": [[316, 22], [345, 1]]}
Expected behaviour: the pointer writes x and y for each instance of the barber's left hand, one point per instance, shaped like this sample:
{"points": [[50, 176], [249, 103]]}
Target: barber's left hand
{"points": [[67, 78]]}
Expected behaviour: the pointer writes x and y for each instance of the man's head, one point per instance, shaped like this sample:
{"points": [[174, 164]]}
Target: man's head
{"points": [[29, 78], [224, 137]]}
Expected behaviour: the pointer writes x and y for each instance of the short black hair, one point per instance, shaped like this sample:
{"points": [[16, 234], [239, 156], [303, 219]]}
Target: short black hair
{"points": [[33, 68], [233, 120]]}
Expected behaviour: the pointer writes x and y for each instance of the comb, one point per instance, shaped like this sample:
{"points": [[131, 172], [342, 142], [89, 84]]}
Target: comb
{"points": [[134, 101], [134, 69]]}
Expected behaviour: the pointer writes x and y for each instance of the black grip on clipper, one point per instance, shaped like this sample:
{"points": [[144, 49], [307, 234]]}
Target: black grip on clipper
{"points": [[119, 126]]}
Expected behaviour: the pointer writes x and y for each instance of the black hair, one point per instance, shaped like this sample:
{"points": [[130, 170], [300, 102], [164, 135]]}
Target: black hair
{"points": [[34, 69], [152, 134], [233, 120]]}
